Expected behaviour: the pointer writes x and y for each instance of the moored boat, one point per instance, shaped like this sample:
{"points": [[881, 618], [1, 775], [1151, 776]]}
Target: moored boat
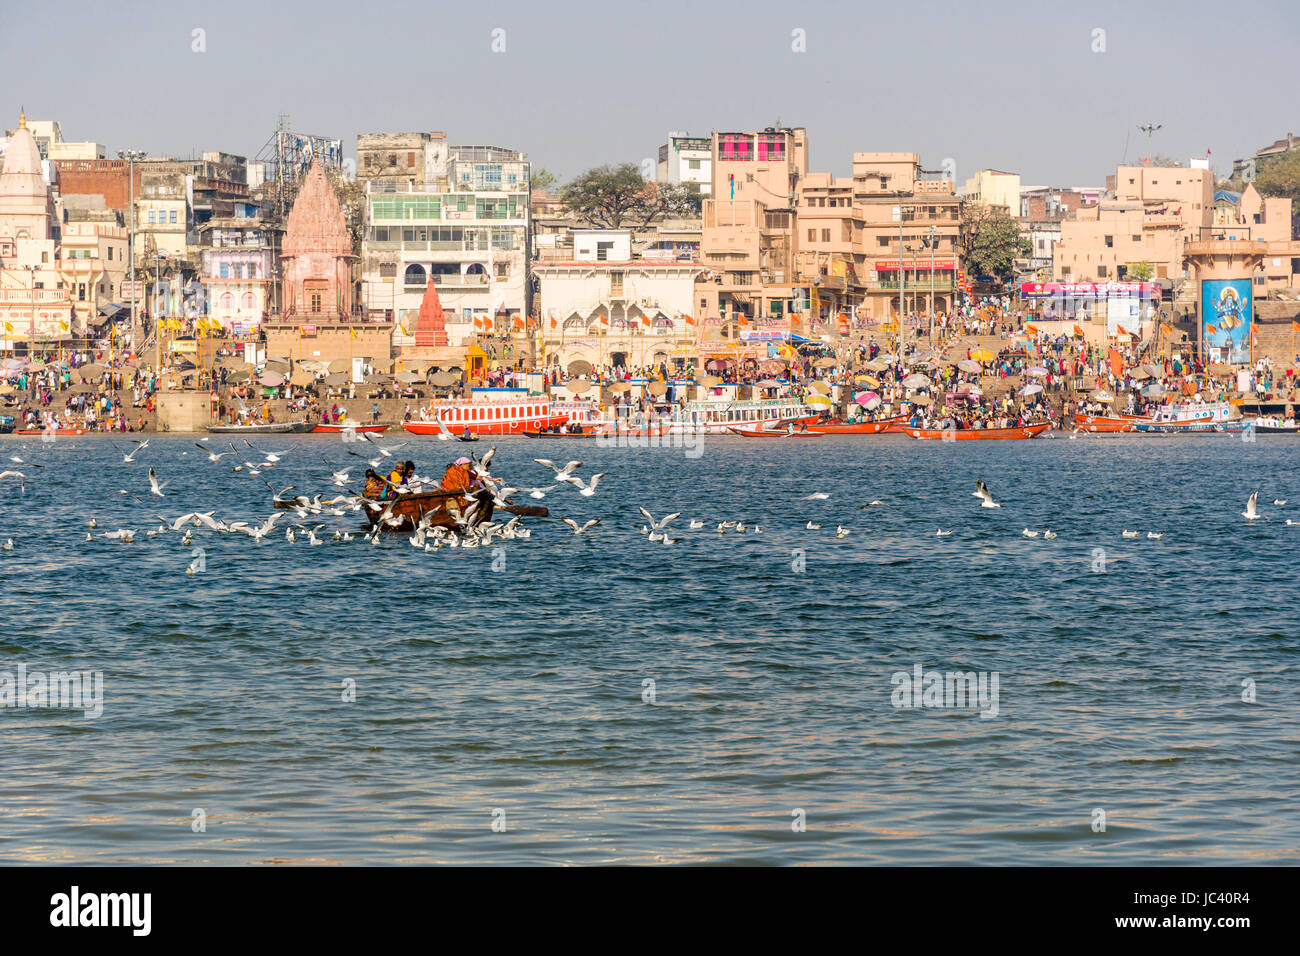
{"points": [[774, 433], [1106, 424], [52, 431], [858, 428], [269, 428], [1194, 427], [489, 411], [345, 426], [977, 434]]}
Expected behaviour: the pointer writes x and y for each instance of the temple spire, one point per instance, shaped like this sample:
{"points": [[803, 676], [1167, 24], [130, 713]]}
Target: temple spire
{"points": [[22, 117]]}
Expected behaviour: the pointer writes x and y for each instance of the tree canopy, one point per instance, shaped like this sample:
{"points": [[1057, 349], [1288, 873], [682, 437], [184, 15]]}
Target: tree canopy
{"points": [[616, 196], [991, 242]]}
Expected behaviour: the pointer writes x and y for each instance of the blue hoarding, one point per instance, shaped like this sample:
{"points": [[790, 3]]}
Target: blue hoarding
{"points": [[1226, 315]]}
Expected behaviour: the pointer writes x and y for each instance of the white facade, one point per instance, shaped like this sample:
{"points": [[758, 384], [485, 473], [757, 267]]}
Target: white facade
{"points": [[686, 159]]}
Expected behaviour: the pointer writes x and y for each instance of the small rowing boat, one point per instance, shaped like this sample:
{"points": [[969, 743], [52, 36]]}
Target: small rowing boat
{"points": [[977, 434], [1192, 427], [52, 431], [270, 428], [443, 508], [764, 433], [337, 427], [583, 434], [858, 428]]}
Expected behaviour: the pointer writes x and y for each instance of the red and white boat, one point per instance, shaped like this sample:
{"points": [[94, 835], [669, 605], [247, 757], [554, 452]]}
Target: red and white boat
{"points": [[51, 431], [489, 411], [774, 433]]}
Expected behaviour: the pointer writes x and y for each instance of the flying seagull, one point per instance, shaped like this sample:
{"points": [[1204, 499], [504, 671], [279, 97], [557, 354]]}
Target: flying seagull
{"points": [[154, 486], [1251, 513], [579, 530], [982, 491]]}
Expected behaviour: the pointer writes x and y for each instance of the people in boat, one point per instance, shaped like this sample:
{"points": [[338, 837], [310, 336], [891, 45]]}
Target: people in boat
{"points": [[401, 473], [459, 477], [465, 433], [374, 487]]}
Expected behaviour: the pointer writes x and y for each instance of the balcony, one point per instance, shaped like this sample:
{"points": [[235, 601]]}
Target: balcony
{"points": [[467, 282]]}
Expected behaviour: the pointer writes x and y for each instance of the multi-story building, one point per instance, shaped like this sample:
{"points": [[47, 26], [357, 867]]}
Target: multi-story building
{"points": [[686, 159], [1245, 170], [749, 239], [608, 307], [91, 265], [163, 220], [910, 237], [411, 158], [237, 272], [464, 226], [995, 188]]}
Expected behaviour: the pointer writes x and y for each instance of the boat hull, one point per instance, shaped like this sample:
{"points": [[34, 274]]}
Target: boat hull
{"points": [[57, 431], [271, 428], [858, 428], [1190, 428], [978, 434], [335, 429], [517, 426], [413, 508], [763, 433]]}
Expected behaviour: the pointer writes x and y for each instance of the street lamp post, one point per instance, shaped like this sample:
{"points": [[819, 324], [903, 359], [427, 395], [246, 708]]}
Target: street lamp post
{"points": [[932, 242], [131, 155]]}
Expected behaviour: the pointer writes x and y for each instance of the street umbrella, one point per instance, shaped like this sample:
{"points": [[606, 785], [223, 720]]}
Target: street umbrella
{"points": [[1140, 374], [708, 381], [337, 378], [969, 365], [579, 367], [378, 378], [872, 404], [1031, 389], [271, 379], [827, 362], [769, 383], [618, 388], [657, 389], [278, 365], [1101, 395], [870, 381], [302, 378], [240, 376], [916, 380], [818, 401], [863, 397], [314, 365], [877, 365], [1038, 371], [1154, 390], [34, 365], [982, 355], [444, 379], [410, 378], [1152, 369], [821, 387], [578, 387], [921, 400]]}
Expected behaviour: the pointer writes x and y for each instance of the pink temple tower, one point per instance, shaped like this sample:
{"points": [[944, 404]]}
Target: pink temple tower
{"points": [[316, 254], [431, 325]]}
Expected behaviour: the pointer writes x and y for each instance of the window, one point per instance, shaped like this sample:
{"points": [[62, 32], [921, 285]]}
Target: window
{"points": [[616, 284], [1065, 270], [502, 270], [812, 235], [735, 147], [225, 270], [692, 164], [173, 215], [826, 235], [110, 253], [1101, 271], [410, 160], [1137, 238], [1162, 272], [151, 219], [771, 147], [1110, 242]]}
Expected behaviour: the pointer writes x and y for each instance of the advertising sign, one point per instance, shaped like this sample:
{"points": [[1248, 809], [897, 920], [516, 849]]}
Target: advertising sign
{"points": [[1226, 314]]}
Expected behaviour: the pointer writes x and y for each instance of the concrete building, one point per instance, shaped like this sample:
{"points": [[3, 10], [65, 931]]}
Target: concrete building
{"points": [[911, 227], [995, 188], [686, 159], [164, 223], [91, 267], [411, 158], [463, 223], [238, 257], [607, 307]]}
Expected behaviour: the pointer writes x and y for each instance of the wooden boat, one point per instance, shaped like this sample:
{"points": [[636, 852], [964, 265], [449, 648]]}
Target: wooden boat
{"points": [[270, 428], [6, 424], [1272, 429], [1193, 427], [584, 434], [857, 428], [55, 431], [469, 437], [335, 428], [978, 434], [773, 433], [413, 508], [1104, 424]]}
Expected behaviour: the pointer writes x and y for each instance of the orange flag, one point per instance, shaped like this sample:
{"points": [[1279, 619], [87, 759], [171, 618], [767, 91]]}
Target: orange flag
{"points": [[1078, 331], [645, 319], [1211, 329], [519, 324], [689, 320], [1031, 330], [604, 320], [1295, 326], [1169, 329], [1116, 362], [554, 323], [1121, 330]]}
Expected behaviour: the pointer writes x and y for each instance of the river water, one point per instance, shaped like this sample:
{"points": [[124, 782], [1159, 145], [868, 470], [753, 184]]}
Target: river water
{"points": [[733, 698]]}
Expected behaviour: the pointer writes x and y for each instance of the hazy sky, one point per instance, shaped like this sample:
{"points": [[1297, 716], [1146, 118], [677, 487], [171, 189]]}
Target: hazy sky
{"points": [[1009, 85]]}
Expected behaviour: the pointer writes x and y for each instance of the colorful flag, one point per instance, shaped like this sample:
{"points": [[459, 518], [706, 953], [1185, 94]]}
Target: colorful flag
{"points": [[689, 320], [519, 324], [1211, 329], [604, 320], [352, 331], [554, 322], [1168, 329], [1295, 326], [1116, 362], [645, 319], [1031, 330], [1121, 330], [1078, 331]]}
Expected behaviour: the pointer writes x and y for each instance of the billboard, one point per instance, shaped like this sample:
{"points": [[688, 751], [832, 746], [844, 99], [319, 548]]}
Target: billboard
{"points": [[1226, 314]]}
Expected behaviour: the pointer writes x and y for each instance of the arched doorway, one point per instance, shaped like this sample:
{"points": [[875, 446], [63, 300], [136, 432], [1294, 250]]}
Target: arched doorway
{"points": [[415, 274], [618, 359]]}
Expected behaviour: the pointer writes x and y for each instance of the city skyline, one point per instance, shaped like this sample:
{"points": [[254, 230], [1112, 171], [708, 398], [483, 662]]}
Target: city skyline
{"points": [[1035, 112]]}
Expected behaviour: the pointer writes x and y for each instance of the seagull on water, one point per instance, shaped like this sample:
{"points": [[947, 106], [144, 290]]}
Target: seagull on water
{"points": [[1251, 512], [817, 496], [1155, 535], [875, 503], [9, 544], [841, 532], [1279, 502], [1049, 534], [940, 533], [1129, 534], [813, 527], [982, 491], [579, 530], [695, 525], [1028, 534]]}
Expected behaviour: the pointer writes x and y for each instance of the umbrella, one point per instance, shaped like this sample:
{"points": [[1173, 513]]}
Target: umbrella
{"points": [[826, 362], [872, 404], [921, 400], [314, 365], [271, 379], [769, 383], [877, 365], [410, 378], [241, 376], [820, 401], [301, 377], [278, 365], [708, 381], [337, 378], [1102, 395], [1154, 390], [578, 387], [916, 380], [820, 387], [1152, 369], [618, 388], [1140, 374], [982, 355], [657, 388], [378, 378], [969, 365], [1031, 390], [579, 367], [863, 397], [444, 379], [1038, 371]]}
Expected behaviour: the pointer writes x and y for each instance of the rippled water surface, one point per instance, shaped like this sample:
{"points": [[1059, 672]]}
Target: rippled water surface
{"points": [[522, 690]]}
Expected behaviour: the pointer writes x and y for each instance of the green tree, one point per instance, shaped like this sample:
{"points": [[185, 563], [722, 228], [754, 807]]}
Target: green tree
{"points": [[991, 242], [1279, 177], [542, 178], [612, 196], [1141, 271]]}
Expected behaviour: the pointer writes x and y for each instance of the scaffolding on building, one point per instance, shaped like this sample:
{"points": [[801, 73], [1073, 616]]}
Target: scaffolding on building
{"points": [[288, 155]]}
